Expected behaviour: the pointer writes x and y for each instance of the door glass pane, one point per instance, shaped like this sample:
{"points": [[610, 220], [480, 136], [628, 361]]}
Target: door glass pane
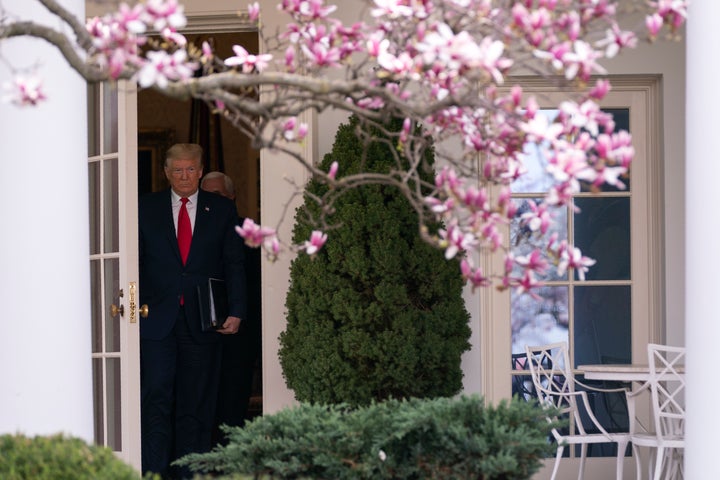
{"points": [[602, 324], [110, 206], [96, 305], [112, 296], [98, 404], [621, 117], [602, 232], [94, 200], [114, 430], [93, 107], [536, 179], [110, 118], [539, 320], [523, 240]]}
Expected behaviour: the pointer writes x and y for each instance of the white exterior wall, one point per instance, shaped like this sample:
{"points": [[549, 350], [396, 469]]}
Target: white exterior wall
{"points": [[45, 367]]}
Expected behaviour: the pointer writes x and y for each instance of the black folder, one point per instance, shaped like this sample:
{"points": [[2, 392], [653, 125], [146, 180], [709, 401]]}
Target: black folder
{"points": [[213, 304]]}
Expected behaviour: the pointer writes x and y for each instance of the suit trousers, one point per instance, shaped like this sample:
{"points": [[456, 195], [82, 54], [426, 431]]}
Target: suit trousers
{"points": [[179, 381]]}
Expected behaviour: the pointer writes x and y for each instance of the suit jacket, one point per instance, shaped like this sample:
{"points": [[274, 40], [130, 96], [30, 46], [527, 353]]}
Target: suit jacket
{"points": [[216, 251]]}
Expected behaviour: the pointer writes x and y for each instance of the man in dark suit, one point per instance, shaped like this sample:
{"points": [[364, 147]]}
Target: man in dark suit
{"points": [[179, 363], [239, 352]]}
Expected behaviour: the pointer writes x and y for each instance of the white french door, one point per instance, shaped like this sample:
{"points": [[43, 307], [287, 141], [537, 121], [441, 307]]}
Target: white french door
{"points": [[112, 178], [612, 314]]}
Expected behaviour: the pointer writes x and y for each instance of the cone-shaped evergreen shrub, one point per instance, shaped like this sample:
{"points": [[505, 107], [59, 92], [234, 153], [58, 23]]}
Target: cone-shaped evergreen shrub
{"points": [[377, 313]]}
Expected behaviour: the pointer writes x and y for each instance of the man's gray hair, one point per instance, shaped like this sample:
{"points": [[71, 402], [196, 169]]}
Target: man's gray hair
{"points": [[229, 185]]}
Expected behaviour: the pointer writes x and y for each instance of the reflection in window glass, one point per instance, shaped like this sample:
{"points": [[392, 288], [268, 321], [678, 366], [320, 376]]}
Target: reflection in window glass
{"points": [[111, 208], [602, 232], [110, 118], [541, 320], [98, 404], [114, 425], [96, 315], [602, 324], [536, 179], [523, 241], [93, 111], [112, 292], [94, 204]]}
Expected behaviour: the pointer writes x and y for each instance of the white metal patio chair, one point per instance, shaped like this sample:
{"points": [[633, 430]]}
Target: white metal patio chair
{"points": [[667, 391], [555, 385]]}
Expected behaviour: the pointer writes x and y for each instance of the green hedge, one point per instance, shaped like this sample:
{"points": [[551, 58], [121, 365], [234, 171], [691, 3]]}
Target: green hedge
{"points": [[59, 457], [409, 439]]}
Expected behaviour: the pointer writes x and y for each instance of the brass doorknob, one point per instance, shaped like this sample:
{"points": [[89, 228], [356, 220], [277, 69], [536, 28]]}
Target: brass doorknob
{"points": [[144, 310], [114, 310]]}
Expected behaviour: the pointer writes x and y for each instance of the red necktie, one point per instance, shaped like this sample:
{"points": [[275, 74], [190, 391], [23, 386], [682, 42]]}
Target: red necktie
{"points": [[184, 231]]}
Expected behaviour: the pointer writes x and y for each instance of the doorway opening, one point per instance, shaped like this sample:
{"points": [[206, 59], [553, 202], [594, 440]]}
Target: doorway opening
{"points": [[163, 121]]}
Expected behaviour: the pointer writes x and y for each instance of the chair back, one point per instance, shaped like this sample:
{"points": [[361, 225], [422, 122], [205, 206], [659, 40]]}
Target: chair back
{"points": [[667, 386], [553, 379]]}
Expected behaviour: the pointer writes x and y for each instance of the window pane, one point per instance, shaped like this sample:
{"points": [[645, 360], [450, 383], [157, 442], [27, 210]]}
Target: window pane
{"points": [[110, 117], [536, 179], [113, 404], [112, 291], [539, 321], [94, 200], [93, 109], [98, 403], [110, 204], [602, 232], [95, 306], [621, 116], [602, 324], [523, 240]]}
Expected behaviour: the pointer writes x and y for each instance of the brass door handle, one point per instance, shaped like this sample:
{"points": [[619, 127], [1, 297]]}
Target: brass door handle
{"points": [[144, 310], [114, 310]]}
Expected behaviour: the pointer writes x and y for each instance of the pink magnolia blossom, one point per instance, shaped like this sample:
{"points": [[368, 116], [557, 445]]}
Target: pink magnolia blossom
{"points": [[166, 14], [247, 61], [538, 218], [317, 240], [333, 170], [162, 68], [292, 131], [24, 91], [581, 62], [254, 234], [473, 275], [455, 240], [571, 257], [533, 261], [254, 11]]}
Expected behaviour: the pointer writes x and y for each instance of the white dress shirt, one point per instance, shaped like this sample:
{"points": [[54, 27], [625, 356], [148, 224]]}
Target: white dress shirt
{"points": [[191, 208]]}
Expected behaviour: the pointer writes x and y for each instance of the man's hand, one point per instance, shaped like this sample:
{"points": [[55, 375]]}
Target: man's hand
{"points": [[230, 326]]}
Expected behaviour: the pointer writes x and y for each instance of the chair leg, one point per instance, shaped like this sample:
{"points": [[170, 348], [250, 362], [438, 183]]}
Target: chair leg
{"points": [[659, 460], [583, 456], [638, 463], [621, 446], [558, 457]]}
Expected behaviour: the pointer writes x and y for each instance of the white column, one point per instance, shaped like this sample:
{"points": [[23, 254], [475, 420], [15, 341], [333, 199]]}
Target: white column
{"points": [[45, 365], [702, 236]]}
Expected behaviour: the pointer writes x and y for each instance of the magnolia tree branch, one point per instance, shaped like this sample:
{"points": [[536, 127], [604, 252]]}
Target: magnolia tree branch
{"points": [[444, 67]]}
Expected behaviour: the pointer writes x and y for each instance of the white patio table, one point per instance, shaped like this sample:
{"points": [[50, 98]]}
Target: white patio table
{"points": [[621, 372], [639, 373]]}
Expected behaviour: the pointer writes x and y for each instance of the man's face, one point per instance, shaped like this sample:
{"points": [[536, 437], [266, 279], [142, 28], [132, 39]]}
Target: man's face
{"points": [[216, 185], [184, 175]]}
